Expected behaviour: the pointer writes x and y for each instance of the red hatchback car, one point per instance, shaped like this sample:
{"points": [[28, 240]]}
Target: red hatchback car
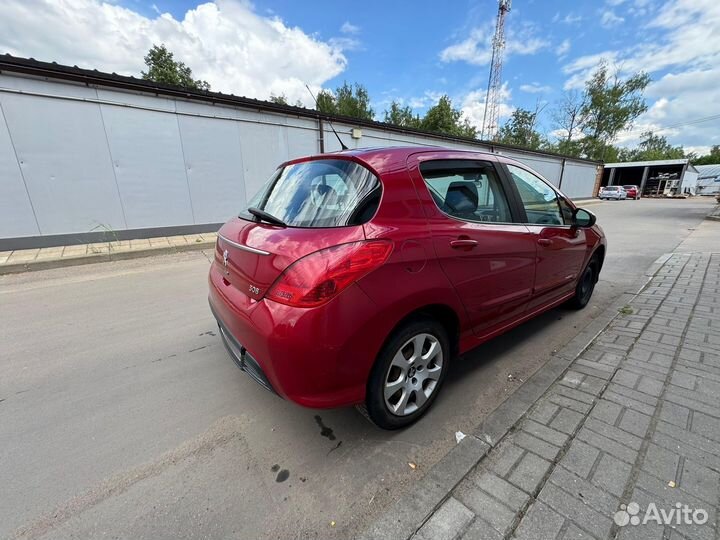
{"points": [[354, 278], [633, 192]]}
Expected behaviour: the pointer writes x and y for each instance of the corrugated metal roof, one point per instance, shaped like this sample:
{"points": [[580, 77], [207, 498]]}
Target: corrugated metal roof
{"points": [[708, 171]]}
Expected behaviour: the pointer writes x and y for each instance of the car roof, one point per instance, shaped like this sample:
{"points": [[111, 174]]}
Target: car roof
{"points": [[386, 159]]}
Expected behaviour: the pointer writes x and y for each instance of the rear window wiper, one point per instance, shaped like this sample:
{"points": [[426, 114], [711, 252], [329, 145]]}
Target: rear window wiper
{"points": [[262, 215]]}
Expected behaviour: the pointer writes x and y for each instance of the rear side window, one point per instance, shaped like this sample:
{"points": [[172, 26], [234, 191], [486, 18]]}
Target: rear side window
{"points": [[469, 191], [321, 193]]}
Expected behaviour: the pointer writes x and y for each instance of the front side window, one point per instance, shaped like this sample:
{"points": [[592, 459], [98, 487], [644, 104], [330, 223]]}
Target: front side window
{"points": [[538, 198], [320, 193], [467, 191]]}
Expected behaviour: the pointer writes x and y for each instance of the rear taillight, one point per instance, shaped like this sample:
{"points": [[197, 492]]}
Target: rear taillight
{"points": [[320, 276]]}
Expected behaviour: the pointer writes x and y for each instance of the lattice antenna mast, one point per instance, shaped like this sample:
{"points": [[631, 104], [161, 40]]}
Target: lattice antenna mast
{"points": [[492, 99]]}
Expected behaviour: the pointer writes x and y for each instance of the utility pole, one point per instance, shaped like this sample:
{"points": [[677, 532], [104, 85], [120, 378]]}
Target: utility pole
{"points": [[492, 98]]}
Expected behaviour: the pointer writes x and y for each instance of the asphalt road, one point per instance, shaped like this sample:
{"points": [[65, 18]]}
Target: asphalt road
{"points": [[121, 414]]}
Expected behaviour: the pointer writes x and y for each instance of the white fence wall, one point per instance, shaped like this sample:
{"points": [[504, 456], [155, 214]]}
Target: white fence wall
{"points": [[76, 159]]}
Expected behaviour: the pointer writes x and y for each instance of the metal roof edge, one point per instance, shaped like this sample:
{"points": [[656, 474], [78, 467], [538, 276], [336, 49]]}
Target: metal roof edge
{"points": [[652, 163]]}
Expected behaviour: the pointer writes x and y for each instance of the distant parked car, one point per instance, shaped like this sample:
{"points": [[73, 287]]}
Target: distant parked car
{"points": [[633, 192], [356, 277], [613, 192]]}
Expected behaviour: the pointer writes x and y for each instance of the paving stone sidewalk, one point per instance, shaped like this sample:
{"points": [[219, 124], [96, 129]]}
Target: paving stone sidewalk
{"points": [[633, 421], [22, 260]]}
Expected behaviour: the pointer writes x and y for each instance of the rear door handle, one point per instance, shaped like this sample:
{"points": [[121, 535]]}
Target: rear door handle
{"points": [[465, 243], [544, 241]]}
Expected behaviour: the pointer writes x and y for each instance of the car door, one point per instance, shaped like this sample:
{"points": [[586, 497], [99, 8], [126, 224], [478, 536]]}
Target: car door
{"points": [[487, 257], [561, 246]]}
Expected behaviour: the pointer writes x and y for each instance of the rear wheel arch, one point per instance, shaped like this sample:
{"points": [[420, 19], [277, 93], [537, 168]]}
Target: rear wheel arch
{"points": [[445, 315], [437, 321], [442, 313]]}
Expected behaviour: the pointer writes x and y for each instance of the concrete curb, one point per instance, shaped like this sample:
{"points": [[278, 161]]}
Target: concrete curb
{"points": [[714, 215], [101, 257], [409, 513], [584, 202]]}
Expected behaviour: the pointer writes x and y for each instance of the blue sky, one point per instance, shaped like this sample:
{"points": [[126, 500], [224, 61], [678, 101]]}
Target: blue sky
{"points": [[409, 51]]}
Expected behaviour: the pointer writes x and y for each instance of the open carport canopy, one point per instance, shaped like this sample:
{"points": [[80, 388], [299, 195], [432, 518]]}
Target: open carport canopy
{"points": [[650, 176]]}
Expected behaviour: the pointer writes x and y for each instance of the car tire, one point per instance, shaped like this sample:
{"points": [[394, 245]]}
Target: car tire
{"points": [[399, 368], [585, 285]]}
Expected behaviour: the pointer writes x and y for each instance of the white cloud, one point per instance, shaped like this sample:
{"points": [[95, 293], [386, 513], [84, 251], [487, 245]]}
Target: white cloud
{"points": [[224, 42], [563, 48], [535, 88], [349, 28], [582, 68], [428, 99], [682, 54], [473, 106], [608, 19], [569, 18], [476, 49]]}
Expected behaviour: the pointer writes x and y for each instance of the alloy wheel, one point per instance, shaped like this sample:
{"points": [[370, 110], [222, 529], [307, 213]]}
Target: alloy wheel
{"points": [[413, 374]]}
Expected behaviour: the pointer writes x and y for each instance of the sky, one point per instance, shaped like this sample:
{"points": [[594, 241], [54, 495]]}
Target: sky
{"points": [[412, 52]]}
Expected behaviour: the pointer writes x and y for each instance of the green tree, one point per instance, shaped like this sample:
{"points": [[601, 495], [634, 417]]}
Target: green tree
{"points": [[347, 100], [326, 102], [163, 68], [401, 116], [280, 100], [611, 105], [710, 159], [443, 118], [519, 130], [652, 147], [353, 100]]}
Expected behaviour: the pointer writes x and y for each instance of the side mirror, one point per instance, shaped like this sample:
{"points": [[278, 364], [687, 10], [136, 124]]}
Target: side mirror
{"points": [[583, 218]]}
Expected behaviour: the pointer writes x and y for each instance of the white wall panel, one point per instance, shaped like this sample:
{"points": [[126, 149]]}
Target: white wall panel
{"points": [[549, 168], [578, 180], [138, 100], [147, 155], [264, 147], [64, 158], [16, 214], [302, 142], [50, 87], [689, 181], [213, 162]]}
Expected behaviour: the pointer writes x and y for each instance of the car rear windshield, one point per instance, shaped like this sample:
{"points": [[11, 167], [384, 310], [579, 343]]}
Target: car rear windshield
{"points": [[611, 188], [629, 187], [320, 193]]}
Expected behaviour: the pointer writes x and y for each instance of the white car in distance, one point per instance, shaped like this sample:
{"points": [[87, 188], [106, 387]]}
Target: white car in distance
{"points": [[612, 192]]}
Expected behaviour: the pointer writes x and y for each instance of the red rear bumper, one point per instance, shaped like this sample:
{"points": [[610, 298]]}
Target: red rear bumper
{"points": [[317, 357]]}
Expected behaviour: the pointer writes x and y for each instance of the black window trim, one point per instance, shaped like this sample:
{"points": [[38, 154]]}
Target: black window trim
{"points": [[501, 177], [518, 200]]}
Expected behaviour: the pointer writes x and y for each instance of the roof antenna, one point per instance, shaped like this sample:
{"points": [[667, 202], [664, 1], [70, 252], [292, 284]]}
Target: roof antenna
{"points": [[342, 144]]}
